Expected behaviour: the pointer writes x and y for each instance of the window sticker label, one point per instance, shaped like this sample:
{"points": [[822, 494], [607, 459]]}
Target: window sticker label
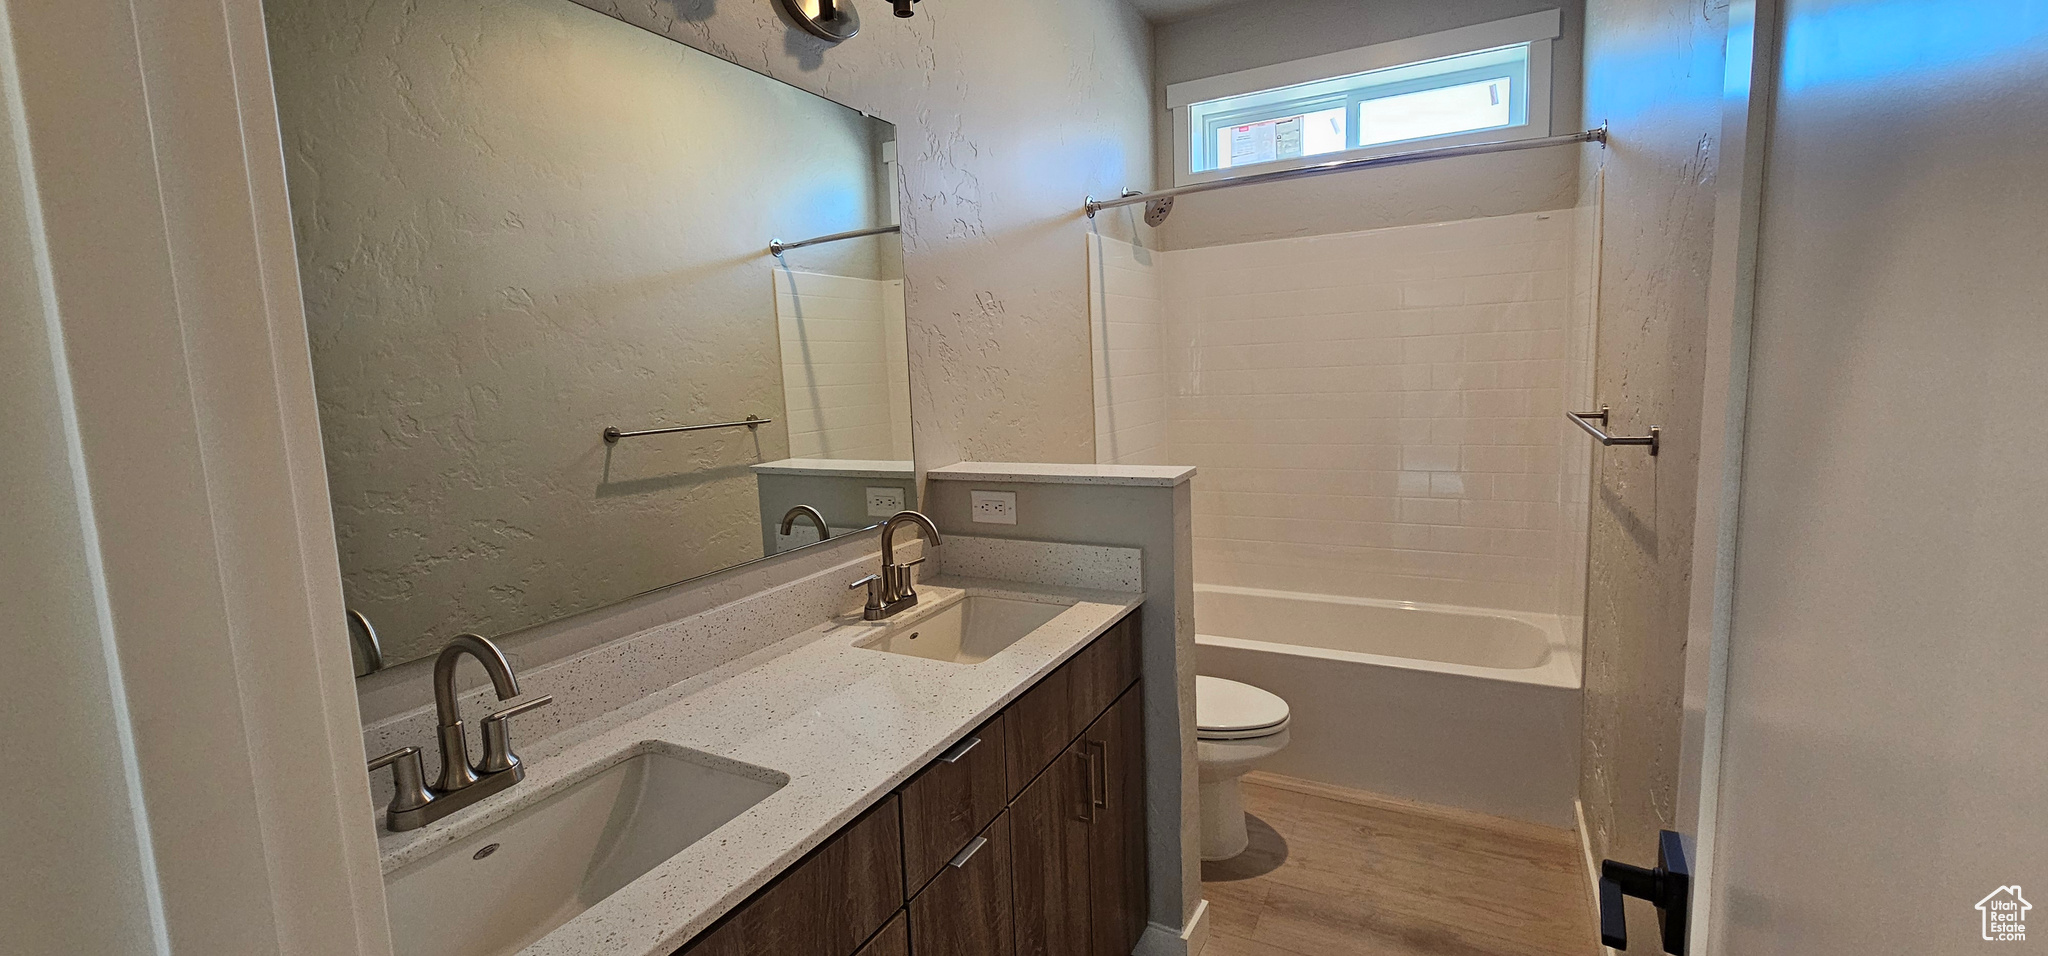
{"points": [[1265, 142]]}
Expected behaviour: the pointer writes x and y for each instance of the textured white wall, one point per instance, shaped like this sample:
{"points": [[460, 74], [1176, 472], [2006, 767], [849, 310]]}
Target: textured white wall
{"points": [[1007, 121], [521, 221], [1654, 69], [1246, 35], [846, 394], [1374, 414]]}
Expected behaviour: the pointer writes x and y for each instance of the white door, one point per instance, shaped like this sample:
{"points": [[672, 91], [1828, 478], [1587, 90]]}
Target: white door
{"points": [[1871, 732]]}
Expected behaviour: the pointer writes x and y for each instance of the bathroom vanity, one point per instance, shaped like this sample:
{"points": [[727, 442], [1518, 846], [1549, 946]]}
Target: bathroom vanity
{"points": [[965, 777], [1027, 835]]}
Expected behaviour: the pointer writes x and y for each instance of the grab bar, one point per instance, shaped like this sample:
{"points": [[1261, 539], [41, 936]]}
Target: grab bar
{"points": [[612, 435], [1581, 419]]}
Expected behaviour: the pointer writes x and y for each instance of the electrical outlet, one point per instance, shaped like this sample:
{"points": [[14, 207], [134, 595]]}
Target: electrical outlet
{"points": [[995, 507], [883, 502]]}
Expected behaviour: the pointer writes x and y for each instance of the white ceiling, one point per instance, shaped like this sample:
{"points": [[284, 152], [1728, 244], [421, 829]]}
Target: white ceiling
{"points": [[1159, 11]]}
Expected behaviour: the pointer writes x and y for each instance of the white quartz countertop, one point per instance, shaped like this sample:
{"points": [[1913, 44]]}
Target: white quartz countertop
{"points": [[846, 724]]}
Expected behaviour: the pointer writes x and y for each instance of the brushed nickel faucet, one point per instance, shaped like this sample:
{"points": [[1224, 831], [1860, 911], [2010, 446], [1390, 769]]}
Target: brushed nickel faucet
{"points": [[805, 511], [415, 804], [894, 590]]}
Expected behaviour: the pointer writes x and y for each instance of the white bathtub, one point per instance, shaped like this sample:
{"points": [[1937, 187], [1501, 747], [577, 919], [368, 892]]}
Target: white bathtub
{"points": [[1477, 709]]}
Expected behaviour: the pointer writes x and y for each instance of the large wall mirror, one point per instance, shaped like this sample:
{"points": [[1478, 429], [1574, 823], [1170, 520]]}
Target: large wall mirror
{"points": [[522, 223]]}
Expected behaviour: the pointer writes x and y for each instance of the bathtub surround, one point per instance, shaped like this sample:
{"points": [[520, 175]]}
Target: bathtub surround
{"points": [[1245, 36], [1575, 487], [1477, 710], [845, 377], [1127, 330], [1375, 414], [1145, 508]]}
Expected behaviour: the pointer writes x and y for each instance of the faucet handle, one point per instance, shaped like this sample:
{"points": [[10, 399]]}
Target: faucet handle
{"points": [[408, 779], [498, 755], [873, 583]]}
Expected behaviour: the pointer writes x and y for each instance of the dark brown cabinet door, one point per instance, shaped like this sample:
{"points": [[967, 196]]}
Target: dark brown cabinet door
{"points": [[893, 940], [1102, 670], [965, 910], [826, 905], [1038, 726], [951, 801], [1116, 841], [1049, 832]]}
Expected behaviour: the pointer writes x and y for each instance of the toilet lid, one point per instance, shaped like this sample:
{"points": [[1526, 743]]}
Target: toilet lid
{"points": [[1226, 709]]}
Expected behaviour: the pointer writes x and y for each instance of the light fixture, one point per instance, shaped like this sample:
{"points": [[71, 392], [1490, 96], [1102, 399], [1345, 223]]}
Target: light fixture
{"points": [[903, 8], [834, 20]]}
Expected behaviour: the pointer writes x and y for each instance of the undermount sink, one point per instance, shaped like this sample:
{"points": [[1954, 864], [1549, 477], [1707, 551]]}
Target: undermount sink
{"points": [[497, 890], [968, 631]]}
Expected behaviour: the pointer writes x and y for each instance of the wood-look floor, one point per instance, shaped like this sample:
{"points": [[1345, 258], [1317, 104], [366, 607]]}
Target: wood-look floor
{"points": [[1333, 872]]}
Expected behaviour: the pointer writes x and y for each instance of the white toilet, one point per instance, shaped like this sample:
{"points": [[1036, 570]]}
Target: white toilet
{"points": [[1237, 726]]}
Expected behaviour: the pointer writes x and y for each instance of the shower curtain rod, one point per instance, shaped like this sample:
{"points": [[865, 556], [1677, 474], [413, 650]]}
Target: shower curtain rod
{"points": [[778, 247], [1159, 204]]}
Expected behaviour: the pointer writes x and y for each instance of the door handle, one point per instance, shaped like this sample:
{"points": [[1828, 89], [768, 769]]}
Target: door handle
{"points": [[1668, 887]]}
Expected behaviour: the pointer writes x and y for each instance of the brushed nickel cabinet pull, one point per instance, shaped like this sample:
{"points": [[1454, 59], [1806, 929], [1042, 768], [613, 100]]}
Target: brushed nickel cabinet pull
{"points": [[959, 750], [963, 856]]}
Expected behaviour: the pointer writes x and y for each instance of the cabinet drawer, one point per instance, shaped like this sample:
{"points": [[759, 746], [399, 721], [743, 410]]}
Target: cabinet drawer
{"points": [[826, 905], [950, 802], [965, 910]]}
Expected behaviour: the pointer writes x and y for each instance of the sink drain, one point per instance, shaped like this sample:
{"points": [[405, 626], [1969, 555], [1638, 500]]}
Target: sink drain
{"points": [[486, 851]]}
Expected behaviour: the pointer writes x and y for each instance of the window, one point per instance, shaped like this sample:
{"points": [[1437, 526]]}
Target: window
{"points": [[1468, 85]]}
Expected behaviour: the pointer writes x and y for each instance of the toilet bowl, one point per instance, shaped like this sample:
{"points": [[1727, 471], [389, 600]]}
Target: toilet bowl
{"points": [[1237, 726]]}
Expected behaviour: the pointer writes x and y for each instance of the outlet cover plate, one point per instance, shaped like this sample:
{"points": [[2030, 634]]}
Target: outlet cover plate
{"points": [[884, 502], [995, 507]]}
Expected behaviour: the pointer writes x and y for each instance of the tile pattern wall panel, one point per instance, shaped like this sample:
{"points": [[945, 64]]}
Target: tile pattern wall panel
{"points": [[1126, 321], [845, 377], [1575, 489], [1376, 413]]}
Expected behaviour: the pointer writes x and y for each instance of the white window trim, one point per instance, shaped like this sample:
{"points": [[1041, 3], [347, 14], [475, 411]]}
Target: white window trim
{"points": [[1535, 29]]}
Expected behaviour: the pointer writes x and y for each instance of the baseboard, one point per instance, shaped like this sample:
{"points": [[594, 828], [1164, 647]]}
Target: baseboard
{"points": [[1592, 872], [1366, 798], [1168, 941]]}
